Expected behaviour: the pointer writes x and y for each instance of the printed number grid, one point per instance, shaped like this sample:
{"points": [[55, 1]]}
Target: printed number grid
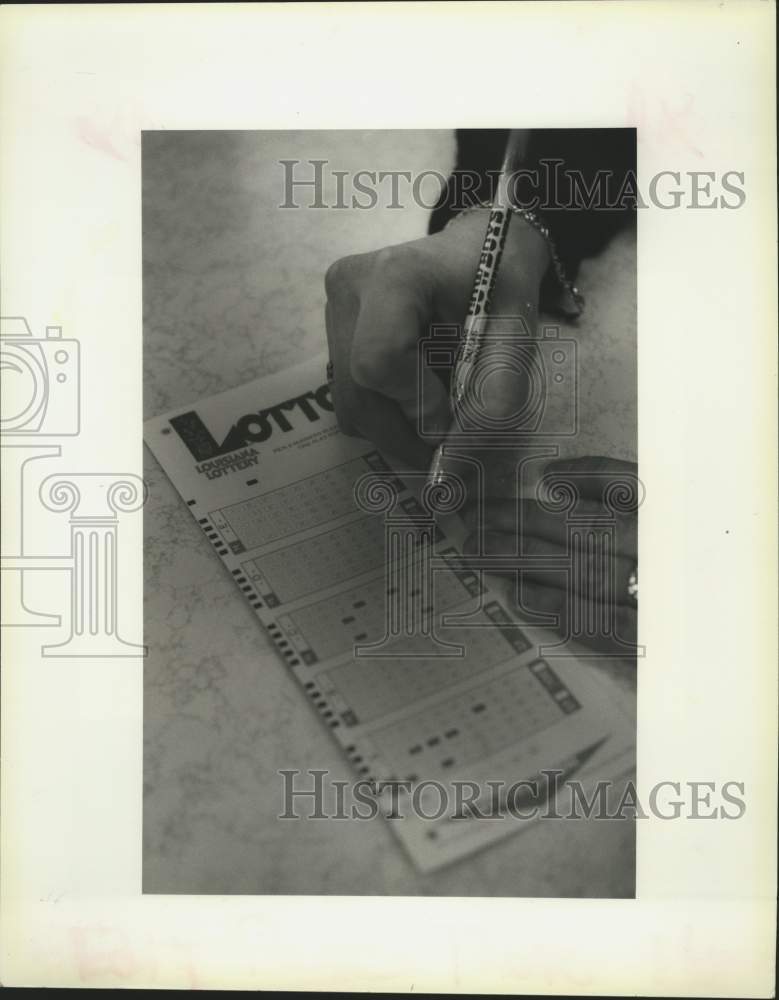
{"points": [[373, 686], [325, 560], [297, 507], [334, 626], [468, 727]]}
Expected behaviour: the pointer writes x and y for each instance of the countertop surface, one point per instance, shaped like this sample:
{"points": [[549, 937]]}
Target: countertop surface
{"points": [[233, 289]]}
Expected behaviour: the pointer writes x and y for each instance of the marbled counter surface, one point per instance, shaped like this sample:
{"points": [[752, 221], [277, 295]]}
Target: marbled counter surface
{"points": [[233, 289]]}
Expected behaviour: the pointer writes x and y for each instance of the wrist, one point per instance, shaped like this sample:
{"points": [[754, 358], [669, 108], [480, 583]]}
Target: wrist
{"points": [[529, 254], [526, 255]]}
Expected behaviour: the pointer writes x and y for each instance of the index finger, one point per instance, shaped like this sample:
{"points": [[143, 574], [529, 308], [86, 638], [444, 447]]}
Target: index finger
{"points": [[395, 312]]}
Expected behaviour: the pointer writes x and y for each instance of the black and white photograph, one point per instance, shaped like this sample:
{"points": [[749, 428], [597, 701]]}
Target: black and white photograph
{"points": [[389, 490], [400, 624]]}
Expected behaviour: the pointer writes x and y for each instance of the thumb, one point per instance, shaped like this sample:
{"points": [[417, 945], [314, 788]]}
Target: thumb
{"points": [[501, 385]]}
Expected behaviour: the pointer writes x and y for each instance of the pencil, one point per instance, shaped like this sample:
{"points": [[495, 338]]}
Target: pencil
{"points": [[483, 286]]}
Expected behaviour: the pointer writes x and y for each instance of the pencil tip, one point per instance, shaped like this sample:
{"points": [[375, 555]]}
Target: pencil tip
{"points": [[435, 475]]}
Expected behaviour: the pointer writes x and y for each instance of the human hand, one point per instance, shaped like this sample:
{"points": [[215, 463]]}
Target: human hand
{"points": [[599, 589], [380, 304]]}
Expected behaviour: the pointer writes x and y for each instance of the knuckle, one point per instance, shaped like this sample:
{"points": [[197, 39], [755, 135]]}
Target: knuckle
{"points": [[340, 275], [396, 263], [334, 278], [389, 258], [374, 364], [367, 366]]}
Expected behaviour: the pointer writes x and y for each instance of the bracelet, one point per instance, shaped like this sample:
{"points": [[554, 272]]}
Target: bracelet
{"points": [[570, 301]]}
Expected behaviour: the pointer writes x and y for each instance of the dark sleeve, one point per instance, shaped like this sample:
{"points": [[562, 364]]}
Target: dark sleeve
{"points": [[582, 182]]}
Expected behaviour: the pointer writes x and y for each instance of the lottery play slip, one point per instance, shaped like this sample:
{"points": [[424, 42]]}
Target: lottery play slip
{"points": [[410, 657]]}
